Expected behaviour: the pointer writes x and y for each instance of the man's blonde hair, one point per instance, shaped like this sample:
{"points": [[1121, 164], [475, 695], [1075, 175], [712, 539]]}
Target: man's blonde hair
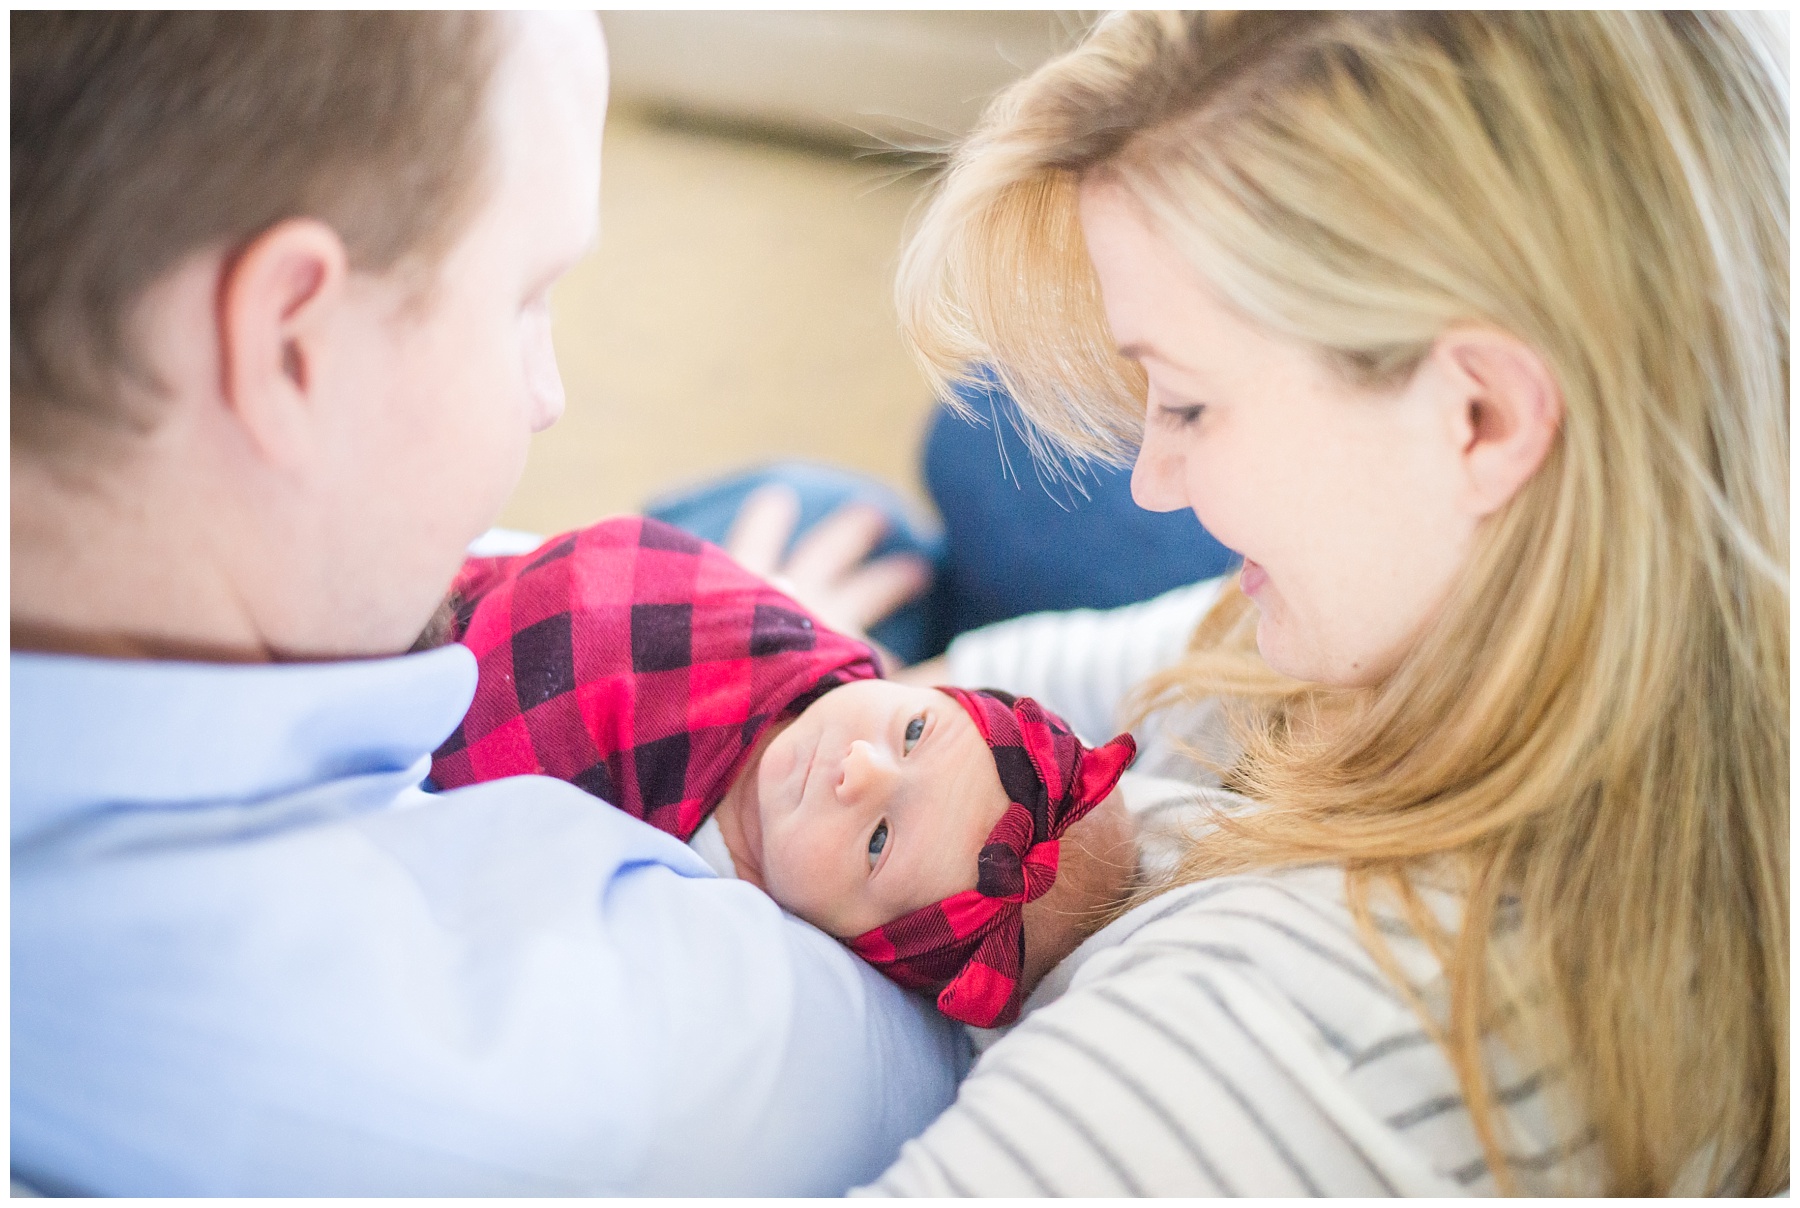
{"points": [[1592, 734]]}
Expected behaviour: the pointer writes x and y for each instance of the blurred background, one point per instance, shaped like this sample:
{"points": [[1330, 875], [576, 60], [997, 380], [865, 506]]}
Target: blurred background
{"points": [[739, 308]]}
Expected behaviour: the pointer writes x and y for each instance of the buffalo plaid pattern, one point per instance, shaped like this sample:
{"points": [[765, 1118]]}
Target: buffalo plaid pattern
{"points": [[636, 662], [969, 949]]}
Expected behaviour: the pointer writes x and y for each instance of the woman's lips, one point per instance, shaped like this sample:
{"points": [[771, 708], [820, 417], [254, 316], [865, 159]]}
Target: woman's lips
{"points": [[1252, 578]]}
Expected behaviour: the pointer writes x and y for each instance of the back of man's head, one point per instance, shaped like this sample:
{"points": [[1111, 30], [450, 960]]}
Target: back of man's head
{"points": [[139, 139]]}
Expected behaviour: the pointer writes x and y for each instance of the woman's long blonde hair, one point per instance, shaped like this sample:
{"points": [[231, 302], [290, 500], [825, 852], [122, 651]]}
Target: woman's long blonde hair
{"points": [[1592, 734]]}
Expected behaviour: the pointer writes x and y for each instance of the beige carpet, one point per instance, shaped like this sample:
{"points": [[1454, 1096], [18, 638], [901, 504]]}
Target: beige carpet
{"points": [[738, 310]]}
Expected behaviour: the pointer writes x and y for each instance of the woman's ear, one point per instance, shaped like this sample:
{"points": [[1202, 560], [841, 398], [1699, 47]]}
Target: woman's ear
{"points": [[1506, 410], [277, 298]]}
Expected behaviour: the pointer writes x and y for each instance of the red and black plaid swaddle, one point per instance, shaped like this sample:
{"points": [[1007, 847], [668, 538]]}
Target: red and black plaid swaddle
{"points": [[642, 664], [634, 661]]}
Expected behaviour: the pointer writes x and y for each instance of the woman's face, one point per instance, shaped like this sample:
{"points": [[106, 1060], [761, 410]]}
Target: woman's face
{"points": [[1343, 501]]}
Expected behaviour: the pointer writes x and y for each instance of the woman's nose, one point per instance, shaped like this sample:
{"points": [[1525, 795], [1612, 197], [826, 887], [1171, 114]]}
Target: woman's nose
{"points": [[867, 774], [1157, 481]]}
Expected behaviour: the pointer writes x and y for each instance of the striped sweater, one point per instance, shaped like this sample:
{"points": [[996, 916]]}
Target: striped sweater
{"points": [[1233, 1036]]}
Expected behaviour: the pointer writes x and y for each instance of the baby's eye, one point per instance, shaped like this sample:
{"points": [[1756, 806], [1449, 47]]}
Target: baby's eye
{"points": [[915, 729], [877, 841]]}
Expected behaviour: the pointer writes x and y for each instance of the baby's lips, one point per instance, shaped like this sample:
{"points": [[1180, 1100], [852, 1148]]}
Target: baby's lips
{"points": [[779, 758]]}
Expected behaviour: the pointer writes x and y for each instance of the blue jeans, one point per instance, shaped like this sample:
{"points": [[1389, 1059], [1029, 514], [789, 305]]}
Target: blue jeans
{"points": [[1007, 546]]}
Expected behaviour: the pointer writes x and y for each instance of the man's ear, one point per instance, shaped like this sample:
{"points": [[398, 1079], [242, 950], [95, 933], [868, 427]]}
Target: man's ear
{"points": [[276, 301], [1507, 408]]}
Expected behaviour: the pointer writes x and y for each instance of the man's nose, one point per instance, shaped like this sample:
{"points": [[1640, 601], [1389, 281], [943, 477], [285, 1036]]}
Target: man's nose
{"points": [[543, 377], [868, 774]]}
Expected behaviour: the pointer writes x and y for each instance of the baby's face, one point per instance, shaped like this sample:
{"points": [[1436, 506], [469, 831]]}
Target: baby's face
{"points": [[874, 802]]}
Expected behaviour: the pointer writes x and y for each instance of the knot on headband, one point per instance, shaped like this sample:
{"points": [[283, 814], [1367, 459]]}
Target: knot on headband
{"points": [[970, 948]]}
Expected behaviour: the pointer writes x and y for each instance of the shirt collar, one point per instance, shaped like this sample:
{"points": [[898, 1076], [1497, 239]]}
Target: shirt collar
{"points": [[88, 731]]}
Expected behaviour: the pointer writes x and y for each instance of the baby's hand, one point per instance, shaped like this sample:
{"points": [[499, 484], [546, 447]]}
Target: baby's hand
{"points": [[1096, 872], [829, 569]]}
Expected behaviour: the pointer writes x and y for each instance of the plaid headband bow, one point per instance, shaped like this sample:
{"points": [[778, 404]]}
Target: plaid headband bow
{"points": [[970, 947]]}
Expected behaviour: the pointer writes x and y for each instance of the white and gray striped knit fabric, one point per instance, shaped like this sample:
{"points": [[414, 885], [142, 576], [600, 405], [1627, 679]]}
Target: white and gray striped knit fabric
{"points": [[1228, 1037], [1083, 663]]}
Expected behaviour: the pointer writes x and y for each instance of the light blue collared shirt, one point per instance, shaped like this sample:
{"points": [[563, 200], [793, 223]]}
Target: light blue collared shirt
{"points": [[250, 955]]}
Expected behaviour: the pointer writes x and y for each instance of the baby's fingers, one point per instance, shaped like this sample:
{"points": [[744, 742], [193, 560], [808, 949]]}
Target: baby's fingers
{"points": [[870, 595], [836, 547], [762, 526]]}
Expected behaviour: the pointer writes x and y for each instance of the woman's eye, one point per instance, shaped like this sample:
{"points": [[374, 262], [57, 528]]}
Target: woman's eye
{"points": [[877, 841], [1183, 417], [915, 730]]}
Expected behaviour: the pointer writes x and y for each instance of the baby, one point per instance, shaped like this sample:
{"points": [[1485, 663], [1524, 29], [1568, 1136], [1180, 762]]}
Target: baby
{"points": [[923, 827]]}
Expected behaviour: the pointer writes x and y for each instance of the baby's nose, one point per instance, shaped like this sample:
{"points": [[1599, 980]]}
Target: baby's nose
{"points": [[867, 773]]}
